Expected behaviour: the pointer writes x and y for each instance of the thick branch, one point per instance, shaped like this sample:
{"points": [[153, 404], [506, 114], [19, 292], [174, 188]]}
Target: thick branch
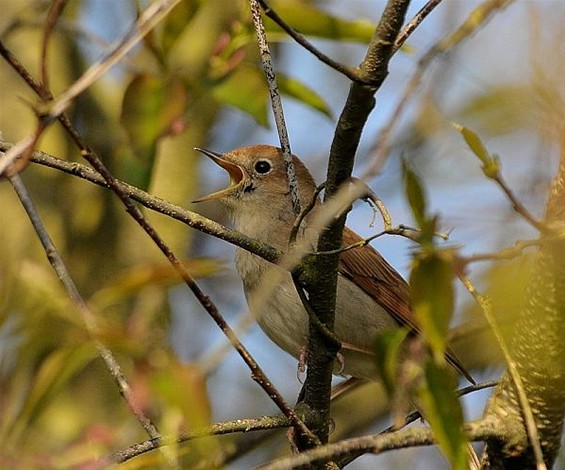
{"points": [[538, 351], [321, 279]]}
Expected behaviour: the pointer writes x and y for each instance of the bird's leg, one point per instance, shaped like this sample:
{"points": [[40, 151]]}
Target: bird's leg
{"points": [[302, 363]]}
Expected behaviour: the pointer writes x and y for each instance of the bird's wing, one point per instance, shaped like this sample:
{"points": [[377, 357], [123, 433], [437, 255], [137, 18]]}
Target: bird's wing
{"points": [[370, 271]]}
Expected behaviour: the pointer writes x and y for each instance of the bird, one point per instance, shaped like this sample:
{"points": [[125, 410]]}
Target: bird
{"points": [[371, 295]]}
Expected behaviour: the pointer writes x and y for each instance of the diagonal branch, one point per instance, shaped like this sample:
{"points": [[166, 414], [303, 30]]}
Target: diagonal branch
{"points": [[257, 373]]}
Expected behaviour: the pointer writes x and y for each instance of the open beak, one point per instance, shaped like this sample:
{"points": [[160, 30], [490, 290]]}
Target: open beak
{"points": [[235, 171]]}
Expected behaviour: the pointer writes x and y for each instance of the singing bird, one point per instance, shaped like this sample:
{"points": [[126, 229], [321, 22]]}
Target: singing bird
{"points": [[371, 296]]}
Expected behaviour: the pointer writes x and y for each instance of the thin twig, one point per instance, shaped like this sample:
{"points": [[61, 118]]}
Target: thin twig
{"points": [[508, 253], [305, 211], [530, 423], [147, 20], [377, 444], [257, 373], [414, 23], [218, 429], [517, 204], [192, 219], [276, 103], [349, 72], [416, 415], [55, 12]]}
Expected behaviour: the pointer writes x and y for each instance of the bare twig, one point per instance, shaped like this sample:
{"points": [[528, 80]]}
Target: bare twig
{"points": [[276, 103], [377, 444], [218, 429], [147, 20], [414, 23], [349, 72], [305, 211], [416, 415], [508, 253], [54, 13], [530, 423], [257, 373], [192, 219]]}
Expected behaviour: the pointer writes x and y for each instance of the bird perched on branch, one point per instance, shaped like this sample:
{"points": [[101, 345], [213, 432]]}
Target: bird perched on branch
{"points": [[371, 296]]}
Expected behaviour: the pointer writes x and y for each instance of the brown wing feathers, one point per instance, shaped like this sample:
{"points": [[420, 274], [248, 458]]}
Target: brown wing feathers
{"points": [[368, 269]]}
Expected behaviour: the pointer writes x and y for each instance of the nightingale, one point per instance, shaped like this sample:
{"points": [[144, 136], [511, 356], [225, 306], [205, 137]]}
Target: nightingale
{"points": [[371, 296]]}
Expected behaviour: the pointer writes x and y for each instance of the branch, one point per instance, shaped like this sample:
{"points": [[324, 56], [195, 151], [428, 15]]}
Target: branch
{"points": [[276, 103], [485, 305], [321, 280], [218, 429], [192, 219], [379, 443], [343, 69]]}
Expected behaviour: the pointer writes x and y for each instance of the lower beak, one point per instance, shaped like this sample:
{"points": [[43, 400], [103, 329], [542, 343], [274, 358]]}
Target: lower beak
{"points": [[235, 171]]}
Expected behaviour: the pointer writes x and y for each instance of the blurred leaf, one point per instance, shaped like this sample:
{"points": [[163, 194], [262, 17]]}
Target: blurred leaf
{"points": [[176, 22], [142, 275], [308, 96], [443, 411], [415, 194], [244, 89], [54, 373], [501, 109], [311, 21], [387, 349], [490, 164], [183, 390], [150, 107], [432, 298]]}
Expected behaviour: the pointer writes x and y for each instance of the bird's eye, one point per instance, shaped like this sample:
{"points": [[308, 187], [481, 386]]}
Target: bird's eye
{"points": [[263, 167]]}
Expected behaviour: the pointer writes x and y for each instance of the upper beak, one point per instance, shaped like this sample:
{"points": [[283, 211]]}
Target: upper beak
{"points": [[235, 171]]}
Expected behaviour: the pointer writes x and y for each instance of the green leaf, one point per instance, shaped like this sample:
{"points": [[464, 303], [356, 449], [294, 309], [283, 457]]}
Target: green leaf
{"points": [[244, 89], [432, 298], [176, 22], [311, 21], [150, 107], [56, 370], [415, 194], [442, 410], [490, 164], [387, 348], [298, 90]]}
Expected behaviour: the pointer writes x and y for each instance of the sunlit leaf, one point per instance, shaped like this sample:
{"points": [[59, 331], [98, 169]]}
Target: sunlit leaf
{"points": [[387, 349], [54, 373], [432, 298], [415, 194], [182, 388], [150, 107], [490, 164], [246, 89], [304, 94], [153, 274], [442, 410], [312, 21]]}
